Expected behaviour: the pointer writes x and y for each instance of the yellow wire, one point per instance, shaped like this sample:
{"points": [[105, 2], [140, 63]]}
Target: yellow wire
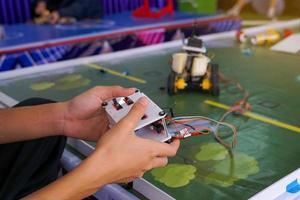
{"points": [[257, 117], [116, 73]]}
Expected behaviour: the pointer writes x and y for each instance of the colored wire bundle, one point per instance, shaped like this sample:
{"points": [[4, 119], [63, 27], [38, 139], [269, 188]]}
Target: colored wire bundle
{"points": [[243, 102], [241, 105], [186, 126]]}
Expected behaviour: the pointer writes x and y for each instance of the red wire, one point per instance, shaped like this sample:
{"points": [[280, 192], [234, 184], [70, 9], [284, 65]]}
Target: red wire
{"points": [[195, 133]]}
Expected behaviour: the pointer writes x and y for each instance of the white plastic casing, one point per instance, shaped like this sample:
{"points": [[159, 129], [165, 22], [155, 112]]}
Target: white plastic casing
{"points": [[200, 63], [179, 62], [142, 129]]}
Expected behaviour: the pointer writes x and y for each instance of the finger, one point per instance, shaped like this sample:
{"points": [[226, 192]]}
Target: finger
{"points": [[135, 114], [120, 92], [104, 93], [166, 150], [159, 162], [127, 180]]}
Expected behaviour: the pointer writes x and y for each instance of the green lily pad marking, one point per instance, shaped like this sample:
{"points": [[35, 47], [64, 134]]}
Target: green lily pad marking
{"points": [[68, 82], [71, 78], [211, 151], [42, 86], [212, 164], [73, 84], [230, 170], [175, 175]]}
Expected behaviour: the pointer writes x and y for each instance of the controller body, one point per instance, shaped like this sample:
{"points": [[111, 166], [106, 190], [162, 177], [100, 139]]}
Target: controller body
{"points": [[151, 126]]}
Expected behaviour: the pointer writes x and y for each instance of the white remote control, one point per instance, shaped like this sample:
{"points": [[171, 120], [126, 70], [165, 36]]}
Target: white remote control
{"points": [[151, 126]]}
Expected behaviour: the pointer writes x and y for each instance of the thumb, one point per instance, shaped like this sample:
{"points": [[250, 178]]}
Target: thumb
{"points": [[135, 114]]}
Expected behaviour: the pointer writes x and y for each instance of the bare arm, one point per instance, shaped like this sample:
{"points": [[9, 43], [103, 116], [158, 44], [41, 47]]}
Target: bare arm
{"points": [[81, 117], [77, 184], [32, 122], [120, 156]]}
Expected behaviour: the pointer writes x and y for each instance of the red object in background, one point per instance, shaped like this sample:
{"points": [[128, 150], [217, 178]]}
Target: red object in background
{"points": [[287, 33], [145, 10], [241, 37]]}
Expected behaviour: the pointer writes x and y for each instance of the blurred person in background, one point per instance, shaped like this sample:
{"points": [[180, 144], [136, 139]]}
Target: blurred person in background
{"points": [[64, 11], [270, 8]]}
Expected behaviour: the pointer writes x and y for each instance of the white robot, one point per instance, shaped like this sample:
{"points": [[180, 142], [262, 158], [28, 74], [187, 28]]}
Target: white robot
{"points": [[192, 69]]}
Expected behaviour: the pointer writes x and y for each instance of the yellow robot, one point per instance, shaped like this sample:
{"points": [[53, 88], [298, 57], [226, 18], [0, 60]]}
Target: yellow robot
{"points": [[192, 69]]}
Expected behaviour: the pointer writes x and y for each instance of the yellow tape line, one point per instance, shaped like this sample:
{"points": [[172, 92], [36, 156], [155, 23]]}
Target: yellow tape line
{"points": [[257, 117], [116, 73]]}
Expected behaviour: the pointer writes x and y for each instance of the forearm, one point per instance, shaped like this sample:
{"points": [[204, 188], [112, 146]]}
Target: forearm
{"points": [[32, 122], [82, 182], [273, 3]]}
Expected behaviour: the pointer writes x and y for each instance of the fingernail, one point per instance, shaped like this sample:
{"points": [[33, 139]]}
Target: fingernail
{"points": [[143, 101], [132, 89]]}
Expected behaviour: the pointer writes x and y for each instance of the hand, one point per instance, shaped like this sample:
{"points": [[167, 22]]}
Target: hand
{"points": [[41, 8], [126, 156], [120, 156], [54, 17], [84, 117]]}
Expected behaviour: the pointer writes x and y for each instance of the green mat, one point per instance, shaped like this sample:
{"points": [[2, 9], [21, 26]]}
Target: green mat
{"points": [[203, 169]]}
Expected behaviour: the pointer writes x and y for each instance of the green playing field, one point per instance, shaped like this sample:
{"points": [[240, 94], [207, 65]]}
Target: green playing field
{"points": [[202, 169]]}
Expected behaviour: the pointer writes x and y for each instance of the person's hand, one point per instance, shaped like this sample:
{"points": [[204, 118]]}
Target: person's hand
{"points": [[84, 117], [125, 156], [41, 8], [54, 17], [120, 156]]}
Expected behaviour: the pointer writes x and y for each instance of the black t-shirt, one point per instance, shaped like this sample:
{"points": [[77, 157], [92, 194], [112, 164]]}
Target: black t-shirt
{"points": [[25, 167], [79, 9]]}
